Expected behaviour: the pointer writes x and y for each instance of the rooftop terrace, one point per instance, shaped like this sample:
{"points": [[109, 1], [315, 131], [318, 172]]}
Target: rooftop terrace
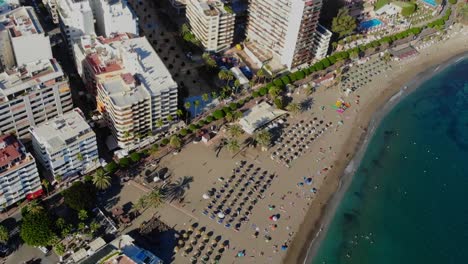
{"points": [[21, 22]]}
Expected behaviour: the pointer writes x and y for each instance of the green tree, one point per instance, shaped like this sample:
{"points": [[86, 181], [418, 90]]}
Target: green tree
{"points": [[124, 162], [101, 180], [175, 142], [79, 156], [278, 102], [36, 229], [209, 61], [274, 92], [225, 75], [196, 104], [343, 24], [4, 234], [80, 196], [59, 249], [169, 118], [159, 123], [233, 145], [214, 95], [179, 113], [135, 157], [58, 178], [111, 167], [34, 207], [154, 198], [294, 108], [187, 110], [46, 184], [234, 131], [94, 226], [263, 138], [205, 98], [60, 223], [82, 215]]}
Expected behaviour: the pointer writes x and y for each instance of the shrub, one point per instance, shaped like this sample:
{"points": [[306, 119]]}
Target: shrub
{"points": [[80, 196], [135, 157], [312, 69], [278, 83], [255, 94], [164, 141], [218, 114], [209, 119], [111, 167], [233, 106], [285, 80], [241, 103], [300, 75], [326, 62], [263, 91], [201, 123], [292, 77], [183, 132], [124, 162], [453, 2], [319, 66], [191, 127]]}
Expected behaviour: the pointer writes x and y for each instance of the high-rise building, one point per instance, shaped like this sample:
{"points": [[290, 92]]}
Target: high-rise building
{"points": [[19, 177], [65, 145], [282, 30], [19, 29], [114, 16], [321, 42], [135, 91], [31, 94], [51, 6], [212, 23], [75, 19]]}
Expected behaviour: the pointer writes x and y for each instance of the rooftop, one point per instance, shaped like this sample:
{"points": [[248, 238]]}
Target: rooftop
{"points": [[213, 7], [28, 76], [68, 7], [135, 55], [119, 8], [21, 22], [124, 93], [258, 116], [61, 130], [10, 150]]}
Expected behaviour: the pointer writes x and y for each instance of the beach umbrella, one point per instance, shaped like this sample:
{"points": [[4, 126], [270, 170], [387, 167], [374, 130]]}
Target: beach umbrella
{"points": [[284, 247], [206, 196], [308, 181], [240, 254]]}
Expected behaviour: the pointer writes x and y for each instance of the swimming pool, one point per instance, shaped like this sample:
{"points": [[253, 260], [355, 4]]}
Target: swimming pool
{"points": [[430, 2], [368, 24]]}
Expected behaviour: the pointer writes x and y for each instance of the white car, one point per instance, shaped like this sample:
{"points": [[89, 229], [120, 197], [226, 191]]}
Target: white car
{"points": [[43, 249]]}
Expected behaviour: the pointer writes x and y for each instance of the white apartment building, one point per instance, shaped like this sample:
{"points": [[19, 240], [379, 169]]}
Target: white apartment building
{"points": [[114, 16], [282, 31], [19, 29], [51, 6], [75, 19], [32, 94], [212, 23], [135, 103], [65, 145], [321, 42], [19, 177]]}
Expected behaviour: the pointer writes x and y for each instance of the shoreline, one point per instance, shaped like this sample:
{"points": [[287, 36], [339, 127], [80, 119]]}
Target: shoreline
{"points": [[307, 242]]}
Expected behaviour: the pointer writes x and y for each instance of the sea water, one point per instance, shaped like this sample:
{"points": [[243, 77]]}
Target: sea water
{"points": [[408, 200]]}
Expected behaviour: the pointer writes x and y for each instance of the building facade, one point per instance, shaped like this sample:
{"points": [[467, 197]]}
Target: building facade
{"points": [[321, 42], [51, 6], [19, 178], [114, 16], [65, 145], [212, 23], [18, 29], [283, 29], [32, 94]]}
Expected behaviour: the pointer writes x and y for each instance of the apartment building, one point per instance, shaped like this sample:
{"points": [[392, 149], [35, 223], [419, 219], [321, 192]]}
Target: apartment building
{"points": [[31, 94], [212, 23], [19, 28], [114, 16], [75, 18], [51, 6], [65, 145], [19, 178], [321, 42], [282, 31]]}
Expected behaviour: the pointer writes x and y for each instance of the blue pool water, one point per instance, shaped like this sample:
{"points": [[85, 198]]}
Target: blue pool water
{"points": [[407, 201], [370, 23], [430, 2]]}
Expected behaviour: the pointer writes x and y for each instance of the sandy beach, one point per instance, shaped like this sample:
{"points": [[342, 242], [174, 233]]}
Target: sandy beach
{"points": [[252, 186], [388, 91]]}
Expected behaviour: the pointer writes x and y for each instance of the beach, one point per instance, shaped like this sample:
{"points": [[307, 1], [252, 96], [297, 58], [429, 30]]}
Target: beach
{"points": [[271, 210], [410, 74]]}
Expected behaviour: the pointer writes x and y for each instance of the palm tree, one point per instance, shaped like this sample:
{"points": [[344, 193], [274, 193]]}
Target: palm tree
{"points": [[235, 131], [237, 115], [101, 180], [34, 207], [79, 157], [260, 74], [274, 91], [175, 142], [160, 123], [214, 94], [46, 185], [140, 205], [233, 145], [177, 189], [187, 108], [4, 234], [229, 117], [294, 108], [236, 85], [179, 113], [263, 138], [196, 104], [58, 178], [205, 98], [225, 75], [82, 215], [169, 118], [154, 198]]}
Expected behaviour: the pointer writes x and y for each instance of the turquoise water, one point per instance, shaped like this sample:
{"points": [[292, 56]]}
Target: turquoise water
{"points": [[430, 2], [370, 23], [407, 202]]}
